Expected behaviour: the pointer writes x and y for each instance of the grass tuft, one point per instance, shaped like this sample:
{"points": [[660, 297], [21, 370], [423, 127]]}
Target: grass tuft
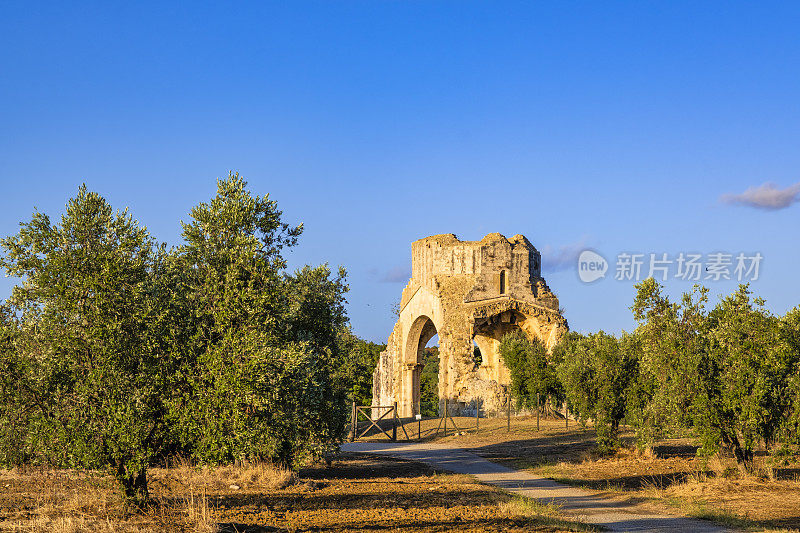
{"points": [[548, 514], [198, 512]]}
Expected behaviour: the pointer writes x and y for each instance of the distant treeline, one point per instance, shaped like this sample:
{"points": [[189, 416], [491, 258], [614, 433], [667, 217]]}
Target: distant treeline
{"points": [[117, 352], [729, 376]]}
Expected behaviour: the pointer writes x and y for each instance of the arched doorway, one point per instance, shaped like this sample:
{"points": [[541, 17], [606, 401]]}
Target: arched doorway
{"points": [[422, 330], [487, 335], [429, 379]]}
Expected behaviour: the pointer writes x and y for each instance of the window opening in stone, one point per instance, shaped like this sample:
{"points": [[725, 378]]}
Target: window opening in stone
{"points": [[429, 378], [477, 357]]}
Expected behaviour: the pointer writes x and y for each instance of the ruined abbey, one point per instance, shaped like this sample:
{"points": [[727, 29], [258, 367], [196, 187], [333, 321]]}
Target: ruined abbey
{"points": [[466, 291]]}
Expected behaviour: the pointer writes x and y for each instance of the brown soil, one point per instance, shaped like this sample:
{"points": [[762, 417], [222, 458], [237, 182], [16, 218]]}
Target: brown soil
{"points": [[355, 493], [672, 479]]}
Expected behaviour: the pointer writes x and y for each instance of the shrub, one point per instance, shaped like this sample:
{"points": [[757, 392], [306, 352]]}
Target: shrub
{"points": [[596, 373], [532, 373]]}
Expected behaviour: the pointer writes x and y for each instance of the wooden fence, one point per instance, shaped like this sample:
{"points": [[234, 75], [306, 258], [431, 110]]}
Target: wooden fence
{"points": [[365, 411]]}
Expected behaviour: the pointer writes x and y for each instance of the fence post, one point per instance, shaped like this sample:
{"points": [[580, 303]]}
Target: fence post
{"points": [[566, 415], [538, 408], [353, 425], [477, 414], [394, 423], [445, 416], [508, 414]]}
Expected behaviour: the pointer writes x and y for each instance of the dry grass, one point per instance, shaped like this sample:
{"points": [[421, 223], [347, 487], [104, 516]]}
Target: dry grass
{"points": [[357, 493], [66, 524], [69, 501], [246, 474], [60, 502], [740, 501], [527, 507], [548, 513], [671, 479], [198, 512]]}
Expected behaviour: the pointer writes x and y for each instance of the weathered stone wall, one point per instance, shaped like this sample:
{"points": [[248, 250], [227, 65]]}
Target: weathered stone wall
{"points": [[465, 291]]}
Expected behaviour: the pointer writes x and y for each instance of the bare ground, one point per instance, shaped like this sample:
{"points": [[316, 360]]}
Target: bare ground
{"points": [[355, 493], [672, 479]]}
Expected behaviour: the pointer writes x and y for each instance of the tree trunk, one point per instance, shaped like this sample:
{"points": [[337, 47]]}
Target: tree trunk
{"points": [[134, 485], [743, 455], [744, 459]]}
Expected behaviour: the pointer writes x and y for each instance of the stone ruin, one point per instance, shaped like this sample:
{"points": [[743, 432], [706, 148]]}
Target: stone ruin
{"points": [[465, 291]]}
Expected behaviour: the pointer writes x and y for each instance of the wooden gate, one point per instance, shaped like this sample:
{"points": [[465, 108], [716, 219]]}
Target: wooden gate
{"points": [[365, 412]]}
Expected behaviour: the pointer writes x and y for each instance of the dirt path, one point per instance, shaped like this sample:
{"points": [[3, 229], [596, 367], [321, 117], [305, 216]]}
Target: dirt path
{"points": [[575, 502]]}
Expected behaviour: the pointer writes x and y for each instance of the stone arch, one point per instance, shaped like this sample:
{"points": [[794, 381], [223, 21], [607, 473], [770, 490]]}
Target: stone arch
{"points": [[421, 331], [466, 291]]}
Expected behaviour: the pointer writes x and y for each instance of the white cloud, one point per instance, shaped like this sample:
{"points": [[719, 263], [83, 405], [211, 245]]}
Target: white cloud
{"points": [[767, 196], [562, 258], [399, 274]]}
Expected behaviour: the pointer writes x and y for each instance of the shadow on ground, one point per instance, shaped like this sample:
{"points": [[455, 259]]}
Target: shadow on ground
{"points": [[361, 466], [386, 495]]}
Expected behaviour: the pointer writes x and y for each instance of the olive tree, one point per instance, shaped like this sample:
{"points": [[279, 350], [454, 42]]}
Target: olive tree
{"points": [[16, 401], [357, 361], [532, 374], [596, 372], [260, 380], [728, 375], [790, 333], [745, 389], [672, 342], [90, 380]]}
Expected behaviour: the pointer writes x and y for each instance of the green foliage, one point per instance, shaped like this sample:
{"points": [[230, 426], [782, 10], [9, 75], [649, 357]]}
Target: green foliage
{"points": [[429, 382], [358, 359], [729, 375], [115, 353], [673, 339], [261, 383], [531, 372], [745, 394], [15, 402], [790, 329], [89, 376], [596, 372], [790, 333], [477, 357]]}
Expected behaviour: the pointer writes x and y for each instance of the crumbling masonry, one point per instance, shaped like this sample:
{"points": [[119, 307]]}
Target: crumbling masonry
{"points": [[465, 291]]}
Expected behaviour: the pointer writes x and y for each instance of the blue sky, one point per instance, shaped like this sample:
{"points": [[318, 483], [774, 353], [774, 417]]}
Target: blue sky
{"points": [[609, 125]]}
